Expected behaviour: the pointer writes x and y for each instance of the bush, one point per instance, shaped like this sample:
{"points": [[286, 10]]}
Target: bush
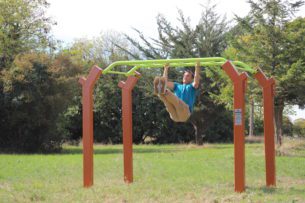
{"points": [[258, 126], [299, 127], [287, 126], [34, 93]]}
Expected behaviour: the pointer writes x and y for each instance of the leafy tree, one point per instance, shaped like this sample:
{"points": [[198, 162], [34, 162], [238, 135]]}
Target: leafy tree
{"points": [[66, 72], [211, 32], [24, 26], [29, 99], [271, 40], [27, 89]]}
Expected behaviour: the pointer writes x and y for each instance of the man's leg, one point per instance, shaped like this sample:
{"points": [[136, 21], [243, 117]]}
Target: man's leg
{"points": [[170, 108], [182, 109], [177, 109], [159, 87], [156, 84]]}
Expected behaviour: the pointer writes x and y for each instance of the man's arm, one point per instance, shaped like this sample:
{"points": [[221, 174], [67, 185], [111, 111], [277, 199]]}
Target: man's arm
{"points": [[170, 85], [197, 76]]}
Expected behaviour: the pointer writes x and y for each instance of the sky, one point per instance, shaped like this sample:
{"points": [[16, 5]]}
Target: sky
{"points": [[88, 18]]}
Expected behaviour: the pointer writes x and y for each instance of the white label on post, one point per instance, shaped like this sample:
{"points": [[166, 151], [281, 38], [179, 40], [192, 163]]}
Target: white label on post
{"points": [[237, 117]]}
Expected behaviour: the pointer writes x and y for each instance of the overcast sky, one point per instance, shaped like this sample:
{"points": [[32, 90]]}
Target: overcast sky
{"points": [[79, 18], [87, 18]]}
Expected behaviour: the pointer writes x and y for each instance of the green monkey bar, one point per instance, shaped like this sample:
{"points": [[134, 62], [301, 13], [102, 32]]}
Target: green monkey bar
{"points": [[159, 63]]}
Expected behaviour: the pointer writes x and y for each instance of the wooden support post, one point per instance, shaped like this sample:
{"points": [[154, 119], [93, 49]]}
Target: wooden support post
{"points": [[239, 81], [268, 96], [127, 87], [87, 100]]}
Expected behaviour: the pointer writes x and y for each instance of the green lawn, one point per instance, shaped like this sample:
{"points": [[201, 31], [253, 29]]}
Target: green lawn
{"points": [[162, 173]]}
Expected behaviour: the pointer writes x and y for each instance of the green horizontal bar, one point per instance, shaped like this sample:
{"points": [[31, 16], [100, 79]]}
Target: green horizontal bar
{"points": [[132, 71], [211, 61], [116, 72], [161, 61]]}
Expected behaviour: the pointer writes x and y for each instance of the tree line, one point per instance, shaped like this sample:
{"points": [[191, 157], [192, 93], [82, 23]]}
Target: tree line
{"points": [[40, 97]]}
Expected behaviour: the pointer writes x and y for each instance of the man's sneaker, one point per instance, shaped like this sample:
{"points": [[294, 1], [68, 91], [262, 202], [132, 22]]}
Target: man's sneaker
{"points": [[163, 85], [156, 85]]}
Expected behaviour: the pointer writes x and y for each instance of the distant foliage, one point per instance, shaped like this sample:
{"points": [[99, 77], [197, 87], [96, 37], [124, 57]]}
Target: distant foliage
{"points": [[299, 127], [33, 99], [287, 126], [24, 26]]}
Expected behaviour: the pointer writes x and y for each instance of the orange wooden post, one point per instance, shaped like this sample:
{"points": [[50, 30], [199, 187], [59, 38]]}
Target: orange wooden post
{"points": [[239, 81], [127, 87], [87, 100], [268, 95]]}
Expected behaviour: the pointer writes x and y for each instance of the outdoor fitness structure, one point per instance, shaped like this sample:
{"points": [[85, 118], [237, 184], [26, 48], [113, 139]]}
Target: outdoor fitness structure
{"points": [[239, 82]]}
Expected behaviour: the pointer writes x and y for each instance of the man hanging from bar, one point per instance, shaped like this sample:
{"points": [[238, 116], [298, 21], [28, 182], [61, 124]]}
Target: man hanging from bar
{"points": [[179, 104]]}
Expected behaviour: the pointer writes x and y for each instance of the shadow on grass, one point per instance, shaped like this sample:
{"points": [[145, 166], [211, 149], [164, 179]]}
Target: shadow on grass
{"points": [[120, 151], [231, 146], [289, 154], [269, 190], [219, 146], [106, 150], [275, 190], [99, 150]]}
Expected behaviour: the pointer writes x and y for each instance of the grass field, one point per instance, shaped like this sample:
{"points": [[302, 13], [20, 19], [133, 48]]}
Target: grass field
{"points": [[162, 173]]}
